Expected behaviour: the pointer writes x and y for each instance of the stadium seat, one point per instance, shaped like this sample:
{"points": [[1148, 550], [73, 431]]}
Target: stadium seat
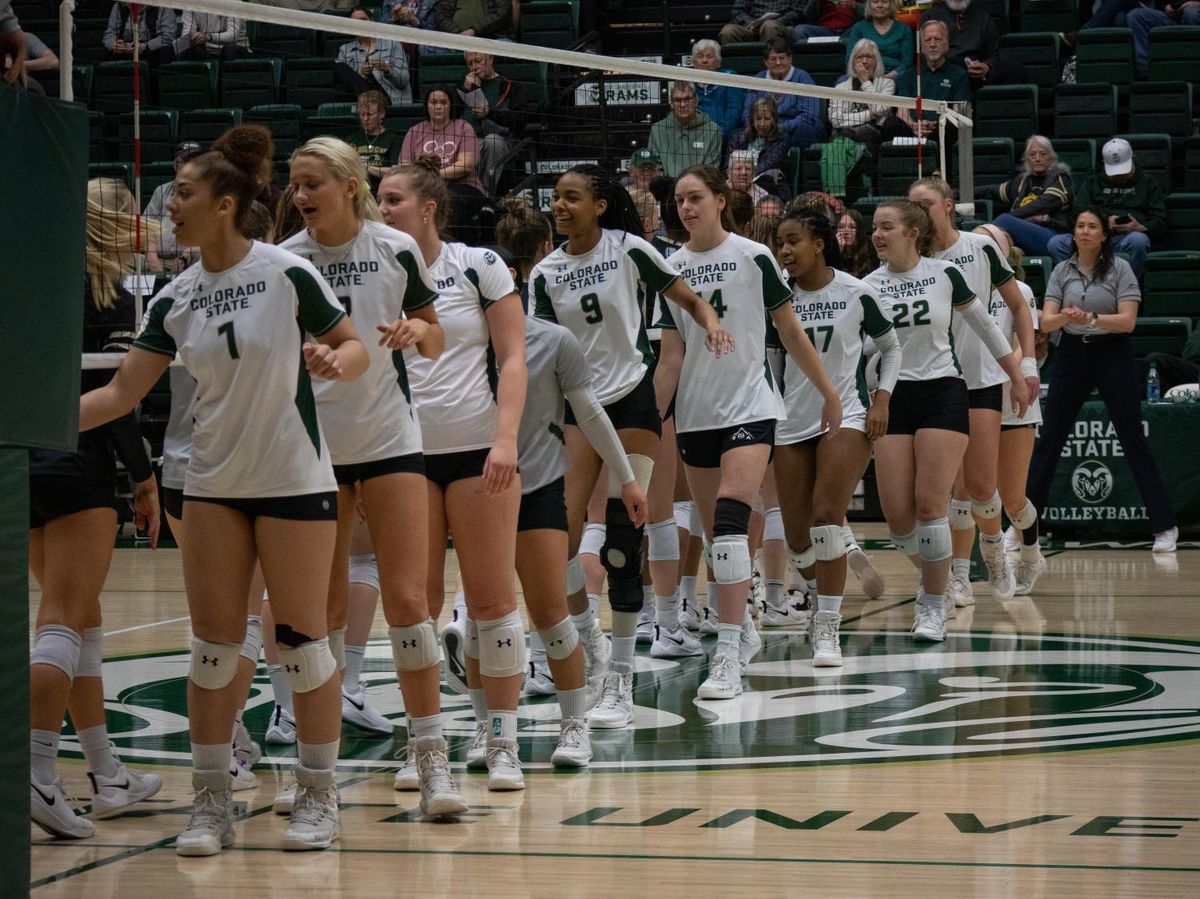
{"points": [[1171, 281], [187, 85], [251, 82], [112, 89], [548, 23], [97, 137], [206, 125], [532, 78], [898, 166], [1049, 15], [793, 168], [1161, 107], [866, 206], [1104, 56], [89, 38], [447, 69], [1175, 53], [155, 174], [122, 171], [1037, 274], [283, 120], [994, 161], [1183, 227], [743, 58], [1085, 110], [159, 135], [998, 9], [1191, 164], [400, 118], [1152, 153], [308, 82], [280, 40], [1154, 334], [1006, 111], [337, 109], [1038, 52], [333, 126], [1077, 152], [825, 60]]}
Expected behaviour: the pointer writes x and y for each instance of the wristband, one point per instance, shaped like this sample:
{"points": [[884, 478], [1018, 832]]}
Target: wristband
{"points": [[1029, 368]]}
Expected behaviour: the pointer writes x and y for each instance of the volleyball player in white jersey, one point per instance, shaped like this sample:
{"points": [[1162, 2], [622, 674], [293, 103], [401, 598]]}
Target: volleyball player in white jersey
{"points": [[821, 470], [595, 285], [470, 416], [928, 421], [976, 500], [259, 483], [380, 278], [726, 408]]}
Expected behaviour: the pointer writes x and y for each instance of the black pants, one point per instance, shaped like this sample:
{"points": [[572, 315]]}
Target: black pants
{"points": [[1109, 365], [354, 82], [1172, 370], [201, 54]]}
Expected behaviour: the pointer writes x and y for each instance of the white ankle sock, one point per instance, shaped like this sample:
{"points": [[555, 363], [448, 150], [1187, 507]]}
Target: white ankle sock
{"points": [[317, 756], [212, 757], [667, 608], [355, 655], [98, 750], [43, 754]]}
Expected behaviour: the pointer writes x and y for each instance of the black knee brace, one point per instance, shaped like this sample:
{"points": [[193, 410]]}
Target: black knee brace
{"points": [[621, 556], [730, 516]]}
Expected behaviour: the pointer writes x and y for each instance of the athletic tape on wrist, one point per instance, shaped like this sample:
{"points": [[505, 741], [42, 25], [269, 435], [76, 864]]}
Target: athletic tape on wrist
{"points": [[1029, 368]]}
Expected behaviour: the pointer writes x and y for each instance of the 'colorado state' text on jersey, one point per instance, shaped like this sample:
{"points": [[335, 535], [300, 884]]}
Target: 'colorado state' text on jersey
{"points": [[556, 365], [836, 317], [600, 297], [982, 266], [741, 281], [922, 301], [455, 393], [378, 276], [256, 432]]}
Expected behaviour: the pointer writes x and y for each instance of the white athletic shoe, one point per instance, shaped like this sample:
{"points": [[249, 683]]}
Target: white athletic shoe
{"points": [[949, 610], [869, 578], [314, 822], [356, 711], [1164, 541], [827, 647], [210, 827], [674, 644], [928, 623], [477, 752], [53, 812], [407, 779], [709, 623], [285, 800], [439, 794], [749, 645], [245, 751], [574, 749], [1012, 540], [724, 679], [645, 625], [538, 680], [597, 650], [615, 706], [1000, 577], [114, 794], [689, 615], [241, 778], [794, 612], [454, 641], [959, 587], [504, 766], [282, 727], [1027, 574]]}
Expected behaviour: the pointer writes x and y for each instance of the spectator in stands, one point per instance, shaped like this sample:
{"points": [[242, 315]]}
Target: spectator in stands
{"points": [[863, 122], [644, 167], [686, 137], [854, 240], [368, 64], [940, 80], [1137, 210], [12, 45], [452, 141], [762, 137], [974, 42], [826, 18], [475, 18], [212, 37], [1037, 198], [741, 211], [647, 207], [799, 117], [760, 20], [720, 103], [739, 172], [163, 251], [155, 36], [1176, 370], [498, 121], [378, 147], [36, 58], [1144, 19], [895, 40], [770, 207], [412, 13]]}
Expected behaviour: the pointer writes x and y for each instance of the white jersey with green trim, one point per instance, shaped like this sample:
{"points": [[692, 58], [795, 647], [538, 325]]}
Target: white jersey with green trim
{"points": [[377, 277], [556, 366], [742, 282], [982, 268], [455, 393], [1004, 318], [600, 297], [922, 301], [836, 318], [256, 432]]}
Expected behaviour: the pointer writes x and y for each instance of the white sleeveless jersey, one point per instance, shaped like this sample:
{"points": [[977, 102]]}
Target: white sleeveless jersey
{"points": [[600, 297], [836, 318], [555, 363], [377, 277], [239, 333], [1004, 318], [177, 439], [982, 268], [922, 301], [743, 283], [455, 393]]}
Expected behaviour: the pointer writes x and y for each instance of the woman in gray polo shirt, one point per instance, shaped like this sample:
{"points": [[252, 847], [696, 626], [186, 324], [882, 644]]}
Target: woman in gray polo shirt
{"points": [[1093, 297]]}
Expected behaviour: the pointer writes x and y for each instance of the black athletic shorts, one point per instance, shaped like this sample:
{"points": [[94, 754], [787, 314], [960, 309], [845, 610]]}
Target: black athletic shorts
{"points": [[637, 409], [305, 507], [172, 502], [1017, 427], [703, 449], [347, 475], [986, 398], [544, 509], [54, 496], [938, 403], [446, 468]]}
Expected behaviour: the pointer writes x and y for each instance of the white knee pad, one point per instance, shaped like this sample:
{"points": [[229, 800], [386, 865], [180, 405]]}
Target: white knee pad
{"points": [[560, 639], [731, 559], [663, 539], [960, 515], [59, 646], [806, 558], [593, 539], [502, 646], [828, 543], [308, 666], [576, 581], [989, 508], [364, 570], [1023, 519], [214, 665], [906, 543], [91, 653], [683, 515], [706, 551], [415, 646], [933, 540], [252, 645], [643, 468], [697, 527], [773, 524], [471, 644], [337, 646]]}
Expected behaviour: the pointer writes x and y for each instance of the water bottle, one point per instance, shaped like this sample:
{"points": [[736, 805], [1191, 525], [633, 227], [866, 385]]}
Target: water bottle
{"points": [[1153, 391]]}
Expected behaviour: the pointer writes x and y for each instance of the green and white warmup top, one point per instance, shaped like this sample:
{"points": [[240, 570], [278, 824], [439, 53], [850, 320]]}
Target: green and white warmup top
{"points": [[240, 334], [455, 393], [377, 277], [982, 266], [600, 297], [556, 366], [837, 317], [743, 283], [1004, 318], [922, 301]]}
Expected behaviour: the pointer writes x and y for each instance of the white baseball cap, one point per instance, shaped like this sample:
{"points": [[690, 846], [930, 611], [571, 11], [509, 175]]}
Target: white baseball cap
{"points": [[1118, 157]]}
